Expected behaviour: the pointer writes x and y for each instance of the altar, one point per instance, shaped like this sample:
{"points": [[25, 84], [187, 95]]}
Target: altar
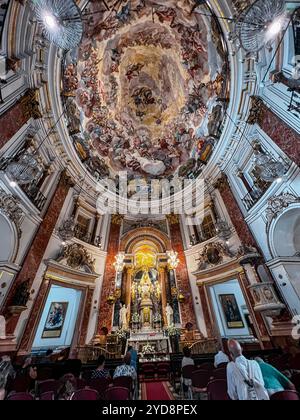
{"points": [[144, 341]]}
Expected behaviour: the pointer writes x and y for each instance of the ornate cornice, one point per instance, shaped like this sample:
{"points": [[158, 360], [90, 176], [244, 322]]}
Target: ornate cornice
{"points": [[257, 110]]}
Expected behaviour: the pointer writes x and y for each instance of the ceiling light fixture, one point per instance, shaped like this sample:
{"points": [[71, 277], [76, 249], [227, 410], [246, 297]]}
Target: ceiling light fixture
{"points": [[61, 20], [274, 28], [259, 23]]}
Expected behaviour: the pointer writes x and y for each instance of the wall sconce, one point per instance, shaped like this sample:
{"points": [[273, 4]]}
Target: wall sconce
{"points": [[173, 260]]}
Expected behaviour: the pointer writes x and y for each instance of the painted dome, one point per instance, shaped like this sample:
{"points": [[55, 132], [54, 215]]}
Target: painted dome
{"points": [[146, 89]]}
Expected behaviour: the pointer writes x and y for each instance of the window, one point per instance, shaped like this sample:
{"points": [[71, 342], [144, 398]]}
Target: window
{"points": [[82, 227], [208, 227], [258, 182]]}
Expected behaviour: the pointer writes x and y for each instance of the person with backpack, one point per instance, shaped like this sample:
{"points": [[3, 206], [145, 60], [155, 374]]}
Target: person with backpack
{"points": [[244, 377]]}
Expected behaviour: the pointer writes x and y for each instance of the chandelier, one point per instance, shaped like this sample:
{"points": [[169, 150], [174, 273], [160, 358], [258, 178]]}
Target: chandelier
{"points": [[259, 23], [269, 169], [61, 21]]}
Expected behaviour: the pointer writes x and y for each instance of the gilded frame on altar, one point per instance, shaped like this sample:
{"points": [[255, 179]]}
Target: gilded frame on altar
{"points": [[55, 320], [231, 312]]}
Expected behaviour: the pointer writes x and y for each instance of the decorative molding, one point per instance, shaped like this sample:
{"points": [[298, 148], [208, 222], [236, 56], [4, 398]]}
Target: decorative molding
{"points": [[276, 205], [257, 109], [212, 255], [10, 207], [266, 299], [78, 258], [117, 219], [30, 104]]}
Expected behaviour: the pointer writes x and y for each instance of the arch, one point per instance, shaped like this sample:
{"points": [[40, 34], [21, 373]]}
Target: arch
{"points": [[131, 239], [284, 233], [9, 237]]}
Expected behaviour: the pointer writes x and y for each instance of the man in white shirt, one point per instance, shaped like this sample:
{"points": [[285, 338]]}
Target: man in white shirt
{"points": [[244, 377], [221, 358]]}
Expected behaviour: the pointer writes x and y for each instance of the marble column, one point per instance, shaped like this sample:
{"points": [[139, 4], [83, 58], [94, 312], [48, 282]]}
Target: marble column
{"points": [[182, 276], [105, 318], [38, 247], [118, 294], [163, 281], [14, 119], [234, 212], [174, 302]]}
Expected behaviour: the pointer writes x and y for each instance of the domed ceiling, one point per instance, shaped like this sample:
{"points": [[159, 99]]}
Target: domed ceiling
{"points": [[145, 92]]}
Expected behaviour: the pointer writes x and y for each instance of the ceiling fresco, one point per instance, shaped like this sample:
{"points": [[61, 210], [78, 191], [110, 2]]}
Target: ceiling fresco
{"points": [[146, 90]]}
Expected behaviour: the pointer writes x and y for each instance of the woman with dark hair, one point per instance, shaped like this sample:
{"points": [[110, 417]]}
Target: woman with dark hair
{"points": [[100, 372]]}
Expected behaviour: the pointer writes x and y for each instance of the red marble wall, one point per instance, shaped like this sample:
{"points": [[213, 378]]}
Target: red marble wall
{"points": [[86, 316], [106, 310], [283, 135], [235, 213], [206, 315], [37, 250], [12, 121], [182, 276]]}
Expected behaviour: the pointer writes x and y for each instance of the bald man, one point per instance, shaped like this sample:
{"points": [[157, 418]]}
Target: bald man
{"points": [[244, 377]]}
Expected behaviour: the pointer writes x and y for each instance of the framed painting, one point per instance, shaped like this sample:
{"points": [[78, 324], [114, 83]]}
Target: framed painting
{"points": [[55, 320], [231, 312]]}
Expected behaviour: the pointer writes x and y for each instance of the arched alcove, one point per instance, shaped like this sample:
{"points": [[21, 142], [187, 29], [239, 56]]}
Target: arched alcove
{"points": [[8, 237], [285, 234]]}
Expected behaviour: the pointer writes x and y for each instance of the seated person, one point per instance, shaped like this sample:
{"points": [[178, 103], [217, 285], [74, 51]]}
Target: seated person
{"points": [[126, 369], [187, 360], [66, 387], [274, 380], [100, 372], [221, 358], [29, 373]]}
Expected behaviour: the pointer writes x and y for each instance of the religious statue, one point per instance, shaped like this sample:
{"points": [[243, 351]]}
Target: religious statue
{"points": [[170, 317], [123, 317], [22, 294], [2, 328]]}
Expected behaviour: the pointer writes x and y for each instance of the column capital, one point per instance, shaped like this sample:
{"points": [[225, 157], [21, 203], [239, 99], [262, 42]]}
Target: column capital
{"points": [[117, 219], [173, 219]]}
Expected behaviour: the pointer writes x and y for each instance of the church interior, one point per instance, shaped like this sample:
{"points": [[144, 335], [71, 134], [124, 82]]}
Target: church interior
{"points": [[149, 199]]}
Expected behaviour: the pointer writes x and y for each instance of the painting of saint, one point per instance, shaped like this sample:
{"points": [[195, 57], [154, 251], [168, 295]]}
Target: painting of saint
{"points": [[55, 320], [231, 312]]}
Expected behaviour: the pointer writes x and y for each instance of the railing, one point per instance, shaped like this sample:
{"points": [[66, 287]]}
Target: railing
{"points": [[35, 196], [204, 346], [87, 237], [252, 198], [90, 353]]}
